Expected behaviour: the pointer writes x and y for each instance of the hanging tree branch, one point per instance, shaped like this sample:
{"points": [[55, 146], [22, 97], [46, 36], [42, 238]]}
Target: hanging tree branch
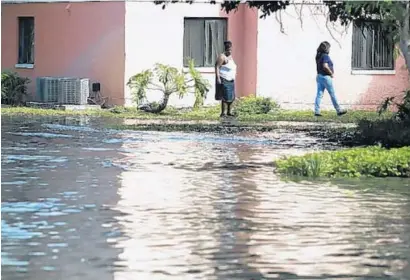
{"points": [[278, 17], [405, 35], [330, 32], [299, 13]]}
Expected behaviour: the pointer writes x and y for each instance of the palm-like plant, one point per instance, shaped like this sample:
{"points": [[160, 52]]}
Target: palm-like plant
{"points": [[200, 85], [168, 80]]}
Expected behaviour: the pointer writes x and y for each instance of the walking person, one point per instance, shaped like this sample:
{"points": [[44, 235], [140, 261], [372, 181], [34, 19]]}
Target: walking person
{"points": [[324, 78], [225, 72]]}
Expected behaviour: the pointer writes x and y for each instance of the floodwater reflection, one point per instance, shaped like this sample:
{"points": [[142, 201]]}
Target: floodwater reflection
{"points": [[104, 204]]}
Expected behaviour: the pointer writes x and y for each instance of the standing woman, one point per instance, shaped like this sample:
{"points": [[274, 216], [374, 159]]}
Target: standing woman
{"points": [[225, 72], [324, 78]]}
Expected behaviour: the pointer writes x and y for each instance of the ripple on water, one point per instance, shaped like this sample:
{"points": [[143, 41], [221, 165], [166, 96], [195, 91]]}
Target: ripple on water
{"points": [[69, 127], [35, 158], [97, 149], [57, 245], [42, 134], [37, 254], [22, 207], [48, 268], [11, 232], [14, 183], [69, 193], [121, 140], [7, 261], [51, 213], [19, 148]]}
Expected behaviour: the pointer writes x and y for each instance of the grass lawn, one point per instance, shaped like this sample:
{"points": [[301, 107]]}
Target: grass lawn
{"points": [[203, 114]]}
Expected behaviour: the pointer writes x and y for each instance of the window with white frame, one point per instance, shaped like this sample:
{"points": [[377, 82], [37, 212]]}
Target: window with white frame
{"points": [[372, 47], [203, 40], [26, 40]]}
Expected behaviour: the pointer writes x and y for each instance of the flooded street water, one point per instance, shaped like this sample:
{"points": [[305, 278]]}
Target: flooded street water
{"points": [[83, 202]]}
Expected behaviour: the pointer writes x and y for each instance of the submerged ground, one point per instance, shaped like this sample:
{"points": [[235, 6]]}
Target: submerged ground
{"points": [[80, 201]]}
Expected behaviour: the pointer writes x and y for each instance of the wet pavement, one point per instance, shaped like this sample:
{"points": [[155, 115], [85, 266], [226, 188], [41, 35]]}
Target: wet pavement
{"points": [[83, 202]]}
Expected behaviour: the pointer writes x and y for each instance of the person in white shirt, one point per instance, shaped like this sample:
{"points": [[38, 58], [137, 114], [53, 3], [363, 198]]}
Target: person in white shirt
{"points": [[225, 72]]}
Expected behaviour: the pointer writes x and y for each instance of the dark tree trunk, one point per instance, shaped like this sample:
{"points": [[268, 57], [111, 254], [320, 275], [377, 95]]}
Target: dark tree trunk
{"points": [[405, 37], [158, 108]]}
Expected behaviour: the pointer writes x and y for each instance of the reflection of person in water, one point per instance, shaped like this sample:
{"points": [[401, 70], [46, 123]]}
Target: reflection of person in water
{"points": [[236, 215], [225, 72]]}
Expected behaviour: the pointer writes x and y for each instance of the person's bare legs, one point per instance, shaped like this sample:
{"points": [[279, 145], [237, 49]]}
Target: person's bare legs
{"points": [[229, 108], [223, 108]]}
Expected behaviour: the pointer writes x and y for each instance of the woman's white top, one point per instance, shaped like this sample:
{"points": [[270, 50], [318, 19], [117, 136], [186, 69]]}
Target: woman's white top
{"points": [[228, 70]]}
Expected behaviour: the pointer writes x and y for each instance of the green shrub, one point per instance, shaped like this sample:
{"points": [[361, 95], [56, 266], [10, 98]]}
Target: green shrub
{"points": [[253, 105], [357, 162], [13, 88], [388, 133], [390, 129], [403, 106]]}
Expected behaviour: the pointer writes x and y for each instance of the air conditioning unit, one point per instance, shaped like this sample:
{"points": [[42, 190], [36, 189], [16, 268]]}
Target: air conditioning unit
{"points": [[47, 90], [63, 90]]}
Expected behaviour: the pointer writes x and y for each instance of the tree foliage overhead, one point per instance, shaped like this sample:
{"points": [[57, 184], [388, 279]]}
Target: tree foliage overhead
{"points": [[391, 14], [346, 11], [266, 7], [394, 15]]}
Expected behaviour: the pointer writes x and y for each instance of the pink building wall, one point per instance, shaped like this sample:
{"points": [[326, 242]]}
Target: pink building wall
{"points": [[381, 87], [243, 32], [71, 39]]}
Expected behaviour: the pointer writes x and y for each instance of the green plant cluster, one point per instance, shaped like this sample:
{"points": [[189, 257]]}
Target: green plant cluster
{"points": [[168, 80], [402, 106], [372, 161], [254, 105], [13, 88], [389, 132]]}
